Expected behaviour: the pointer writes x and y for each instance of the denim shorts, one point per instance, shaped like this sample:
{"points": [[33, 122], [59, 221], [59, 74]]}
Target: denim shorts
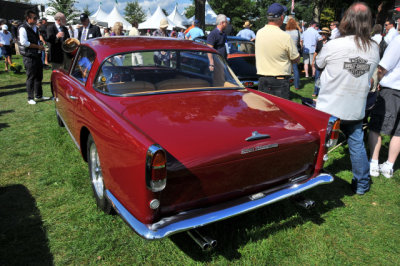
{"points": [[385, 116]]}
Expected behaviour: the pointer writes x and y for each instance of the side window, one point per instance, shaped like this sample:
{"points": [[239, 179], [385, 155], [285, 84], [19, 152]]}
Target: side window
{"points": [[83, 64]]}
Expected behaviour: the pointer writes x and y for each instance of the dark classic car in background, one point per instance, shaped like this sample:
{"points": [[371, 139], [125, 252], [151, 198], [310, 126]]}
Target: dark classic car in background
{"points": [[241, 59], [172, 146]]}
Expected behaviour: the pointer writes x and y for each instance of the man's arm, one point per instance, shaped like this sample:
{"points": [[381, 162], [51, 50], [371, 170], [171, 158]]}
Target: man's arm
{"points": [[381, 72]]}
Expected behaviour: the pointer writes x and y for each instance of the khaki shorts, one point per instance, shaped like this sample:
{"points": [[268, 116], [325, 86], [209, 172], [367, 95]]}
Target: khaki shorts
{"points": [[307, 58]]}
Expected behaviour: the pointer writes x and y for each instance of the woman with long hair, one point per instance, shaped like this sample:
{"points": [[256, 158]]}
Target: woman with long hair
{"points": [[117, 29], [293, 29]]}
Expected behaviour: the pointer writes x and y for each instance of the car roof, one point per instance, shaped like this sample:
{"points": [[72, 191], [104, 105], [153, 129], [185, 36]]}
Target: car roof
{"points": [[107, 46], [234, 38]]}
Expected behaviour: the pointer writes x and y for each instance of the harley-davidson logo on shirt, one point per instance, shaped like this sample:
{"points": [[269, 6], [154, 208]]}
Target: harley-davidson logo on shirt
{"points": [[357, 66]]}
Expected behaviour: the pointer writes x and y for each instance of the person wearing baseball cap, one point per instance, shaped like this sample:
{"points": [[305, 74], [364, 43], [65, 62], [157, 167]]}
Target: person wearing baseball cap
{"points": [[195, 32], [88, 30], [275, 53]]}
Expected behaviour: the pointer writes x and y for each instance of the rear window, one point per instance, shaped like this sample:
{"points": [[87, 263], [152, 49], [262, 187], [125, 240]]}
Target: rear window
{"points": [[152, 71]]}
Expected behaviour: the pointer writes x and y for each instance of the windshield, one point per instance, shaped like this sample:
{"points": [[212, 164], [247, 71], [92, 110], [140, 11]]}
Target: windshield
{"points": [[240, 47], [138, 72]]}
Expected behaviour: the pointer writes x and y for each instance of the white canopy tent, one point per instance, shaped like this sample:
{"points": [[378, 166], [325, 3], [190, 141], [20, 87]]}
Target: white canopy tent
{"points": [[47, 15], [99, 15], [153, 22], [210, 15], [178, 19], [115, 16]]}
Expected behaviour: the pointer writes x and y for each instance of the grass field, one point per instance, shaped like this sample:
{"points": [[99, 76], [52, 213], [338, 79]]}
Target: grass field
{"points": [[48, 214]]}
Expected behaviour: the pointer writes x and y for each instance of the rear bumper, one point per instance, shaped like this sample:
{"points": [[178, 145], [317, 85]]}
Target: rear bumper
{"points": [[200, 217]]}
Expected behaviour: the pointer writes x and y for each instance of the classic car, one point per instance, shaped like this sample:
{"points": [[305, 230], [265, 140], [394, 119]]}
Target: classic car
{"points": [[173, 144]]}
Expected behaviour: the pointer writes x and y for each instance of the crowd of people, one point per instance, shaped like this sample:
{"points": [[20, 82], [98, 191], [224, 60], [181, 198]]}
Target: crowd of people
{"points": [[347, 61]]}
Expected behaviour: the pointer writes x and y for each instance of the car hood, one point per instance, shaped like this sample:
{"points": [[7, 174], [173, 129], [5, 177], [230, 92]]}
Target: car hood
{"points": [[202, 128]]}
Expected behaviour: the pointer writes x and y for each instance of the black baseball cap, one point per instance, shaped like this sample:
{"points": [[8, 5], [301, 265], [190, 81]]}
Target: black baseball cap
{"points": [[83, 17]]}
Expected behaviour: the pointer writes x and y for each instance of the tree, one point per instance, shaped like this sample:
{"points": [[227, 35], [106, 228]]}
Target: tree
{"points": [[237, 10], [134, 12], [189, 11], [165, 12], [87, 11], [64, 6]]}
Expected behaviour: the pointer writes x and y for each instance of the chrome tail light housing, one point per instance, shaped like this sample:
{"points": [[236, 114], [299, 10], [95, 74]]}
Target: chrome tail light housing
{"points": [[156, 168], [332, 132]]}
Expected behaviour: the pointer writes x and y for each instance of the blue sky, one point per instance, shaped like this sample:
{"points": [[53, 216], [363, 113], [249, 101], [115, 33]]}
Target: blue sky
{"points": [[107, 5]]}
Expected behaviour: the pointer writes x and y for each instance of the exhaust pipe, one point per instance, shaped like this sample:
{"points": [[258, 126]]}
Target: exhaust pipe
{"points": [[307, 203], [206, 243]]}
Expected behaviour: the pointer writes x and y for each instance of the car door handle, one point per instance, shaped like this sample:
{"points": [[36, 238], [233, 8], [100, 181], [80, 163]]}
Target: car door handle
{"points": [[73, 97]]}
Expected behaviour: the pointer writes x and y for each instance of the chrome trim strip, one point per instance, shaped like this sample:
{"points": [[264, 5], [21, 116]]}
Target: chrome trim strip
{"points": [[167, 91], [69, 132], [200, 217]]}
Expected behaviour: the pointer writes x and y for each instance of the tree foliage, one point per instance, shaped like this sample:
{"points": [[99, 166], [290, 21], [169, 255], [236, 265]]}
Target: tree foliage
{"points": [[237, 10], [64, 6], [134, 12], [87, 11], [189, 11]]}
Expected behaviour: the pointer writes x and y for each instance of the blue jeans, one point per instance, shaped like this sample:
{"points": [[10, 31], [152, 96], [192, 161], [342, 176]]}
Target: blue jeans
{"points": [[317, 75], [296, 76], [358, 156]]}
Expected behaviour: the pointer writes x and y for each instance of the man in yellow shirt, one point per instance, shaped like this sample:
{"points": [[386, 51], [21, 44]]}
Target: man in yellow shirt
{"points": [[275, 53]]}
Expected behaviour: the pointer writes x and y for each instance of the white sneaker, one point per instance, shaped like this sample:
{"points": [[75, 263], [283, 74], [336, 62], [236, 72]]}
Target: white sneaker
{"points": [[374, 169], [386, 170], [31, 102]]}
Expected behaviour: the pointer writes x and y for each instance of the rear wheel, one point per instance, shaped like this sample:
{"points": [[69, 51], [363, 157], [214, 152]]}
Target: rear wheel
{"points": [[96, 177]]}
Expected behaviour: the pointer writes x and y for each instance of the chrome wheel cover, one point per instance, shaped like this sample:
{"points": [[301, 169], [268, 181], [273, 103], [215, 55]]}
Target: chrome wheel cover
{"points": [[95, 172]]}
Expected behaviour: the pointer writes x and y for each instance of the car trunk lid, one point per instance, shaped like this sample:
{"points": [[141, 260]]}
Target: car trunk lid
{"points": [[209, 158]]}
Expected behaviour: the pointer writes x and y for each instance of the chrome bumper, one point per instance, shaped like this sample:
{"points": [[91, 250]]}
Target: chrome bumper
{"points": [[200, 217]]}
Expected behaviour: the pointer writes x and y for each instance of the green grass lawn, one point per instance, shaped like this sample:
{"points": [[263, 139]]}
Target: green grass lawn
{"points": [[48, 214]]}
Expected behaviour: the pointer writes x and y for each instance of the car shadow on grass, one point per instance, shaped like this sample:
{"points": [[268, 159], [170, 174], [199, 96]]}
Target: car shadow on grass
{"points": [[23, 238], [4, 125], [262, 223]]}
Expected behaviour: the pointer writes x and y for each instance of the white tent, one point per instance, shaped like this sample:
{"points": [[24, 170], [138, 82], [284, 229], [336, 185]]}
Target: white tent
{"points": [[210, 16], [100, 15], [154, 21], [47, 15], [115, 16], [178, 19]]}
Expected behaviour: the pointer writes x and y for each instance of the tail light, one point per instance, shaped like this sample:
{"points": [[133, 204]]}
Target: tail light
{"points": [[248, 84], [156, 168], [332, 132]]}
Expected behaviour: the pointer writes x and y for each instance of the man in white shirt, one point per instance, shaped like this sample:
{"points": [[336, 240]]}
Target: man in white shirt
{"points": [[137, 58], [5, 45], [30, 48], [310, 38], [334, 30], [385, 115], [349, 63], [391, 31]]}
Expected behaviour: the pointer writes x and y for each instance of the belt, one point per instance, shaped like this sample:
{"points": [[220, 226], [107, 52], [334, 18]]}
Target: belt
{"points": [[277, 77]]}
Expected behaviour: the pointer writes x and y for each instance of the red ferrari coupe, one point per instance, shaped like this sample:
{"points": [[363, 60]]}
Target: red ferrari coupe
{"points": [[174, 141]]}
